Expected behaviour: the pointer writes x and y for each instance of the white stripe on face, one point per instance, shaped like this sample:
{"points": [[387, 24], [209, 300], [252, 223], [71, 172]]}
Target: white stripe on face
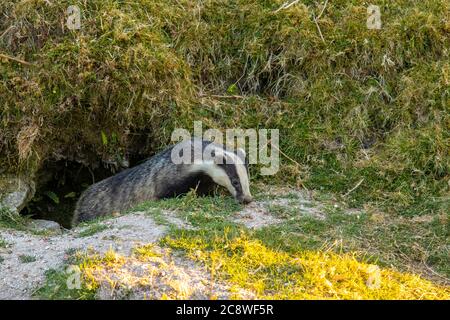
{"points": [[241, 171], [219, 175], [216, 173]]}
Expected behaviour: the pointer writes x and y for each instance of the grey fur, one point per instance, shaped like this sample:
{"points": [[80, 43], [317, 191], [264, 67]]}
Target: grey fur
{"points": [[156, 178]]}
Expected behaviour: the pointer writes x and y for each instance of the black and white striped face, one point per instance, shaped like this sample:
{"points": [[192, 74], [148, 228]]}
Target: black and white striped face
{"points": [[230, 170]]}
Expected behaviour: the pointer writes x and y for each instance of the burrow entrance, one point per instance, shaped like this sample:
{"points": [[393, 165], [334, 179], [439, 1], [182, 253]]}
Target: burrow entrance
{"points": [[59, 184]]}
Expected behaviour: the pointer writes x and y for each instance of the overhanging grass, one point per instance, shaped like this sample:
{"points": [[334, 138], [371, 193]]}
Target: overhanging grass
{"points": [[362, 103], [9, 219]]}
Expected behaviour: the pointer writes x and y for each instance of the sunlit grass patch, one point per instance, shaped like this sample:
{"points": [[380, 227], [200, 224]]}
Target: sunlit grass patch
{"points": [[395, 241], [117, 275], [146, 251], [273, 274], [92, 264], [61, 284], [148, 273]]}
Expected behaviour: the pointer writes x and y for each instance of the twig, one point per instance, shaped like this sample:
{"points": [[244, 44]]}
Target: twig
{"points": [[323, 9], [237, 97], [6, 31], [284, 154], [446, 280], [222, 96], [318, 28], [316, 19], [354, 188], [15, 59], [286, 5], [289, 158]]}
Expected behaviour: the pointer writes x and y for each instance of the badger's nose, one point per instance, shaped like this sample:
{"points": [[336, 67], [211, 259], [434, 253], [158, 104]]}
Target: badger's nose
{"points": [[247, 199]]}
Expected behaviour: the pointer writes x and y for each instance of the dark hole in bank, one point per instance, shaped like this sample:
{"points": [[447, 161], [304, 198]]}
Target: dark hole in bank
{"points": [[58, 187]]}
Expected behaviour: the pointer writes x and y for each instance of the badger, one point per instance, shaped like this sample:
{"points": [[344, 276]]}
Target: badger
{"points": [[159, 177]]}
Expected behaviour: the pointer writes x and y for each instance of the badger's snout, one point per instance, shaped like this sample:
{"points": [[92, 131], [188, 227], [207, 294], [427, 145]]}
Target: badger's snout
{"points": [[245, 199]]}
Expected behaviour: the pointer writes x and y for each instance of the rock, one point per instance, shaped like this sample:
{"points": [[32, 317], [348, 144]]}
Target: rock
{"points": [[15, 192], [45, 226]]}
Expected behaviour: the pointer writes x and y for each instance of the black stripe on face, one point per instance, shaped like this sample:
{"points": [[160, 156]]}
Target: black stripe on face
{"points": [[230, 170]]}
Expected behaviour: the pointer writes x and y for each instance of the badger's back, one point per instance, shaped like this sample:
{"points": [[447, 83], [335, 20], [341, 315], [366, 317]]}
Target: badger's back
{"points": [[156, 178], [121, 191]]}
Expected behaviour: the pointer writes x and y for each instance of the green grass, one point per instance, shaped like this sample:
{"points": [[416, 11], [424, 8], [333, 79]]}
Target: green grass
{"points": [[347, 254], [24, 258], [274, 274], [346, 240], [12, 220], [207, 213], [56, 288], [59, 282], [3, 243], [393, 241], [348, 107], [92, 229], [379, 237], [9, 219]]}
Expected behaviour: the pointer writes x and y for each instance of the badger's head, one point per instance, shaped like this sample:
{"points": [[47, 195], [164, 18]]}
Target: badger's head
{"points": [[230, 170]]}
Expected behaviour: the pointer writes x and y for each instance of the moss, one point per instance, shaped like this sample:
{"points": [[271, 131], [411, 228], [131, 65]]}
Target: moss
{"points": [[360, 103], [274, 274]]}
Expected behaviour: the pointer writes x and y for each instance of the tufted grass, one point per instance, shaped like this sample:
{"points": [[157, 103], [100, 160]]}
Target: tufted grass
{"points": [[359, 104]]}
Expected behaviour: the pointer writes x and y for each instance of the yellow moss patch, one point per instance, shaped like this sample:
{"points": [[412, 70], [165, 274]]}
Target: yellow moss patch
{"points": [[148, 273], [250, 265], [146, 251], [92, 265]]}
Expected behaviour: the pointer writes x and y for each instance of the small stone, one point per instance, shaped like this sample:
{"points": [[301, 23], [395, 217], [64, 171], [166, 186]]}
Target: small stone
{"points": [[45, 225], [15, 192]]}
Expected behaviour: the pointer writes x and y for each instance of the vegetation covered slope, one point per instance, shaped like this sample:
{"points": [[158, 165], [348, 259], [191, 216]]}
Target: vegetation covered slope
{"points": [[352, 104], [308, 249]]}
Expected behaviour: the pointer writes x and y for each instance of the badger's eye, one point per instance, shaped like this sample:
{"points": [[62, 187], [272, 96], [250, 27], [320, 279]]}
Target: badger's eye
{"points": [[235, 183]]}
